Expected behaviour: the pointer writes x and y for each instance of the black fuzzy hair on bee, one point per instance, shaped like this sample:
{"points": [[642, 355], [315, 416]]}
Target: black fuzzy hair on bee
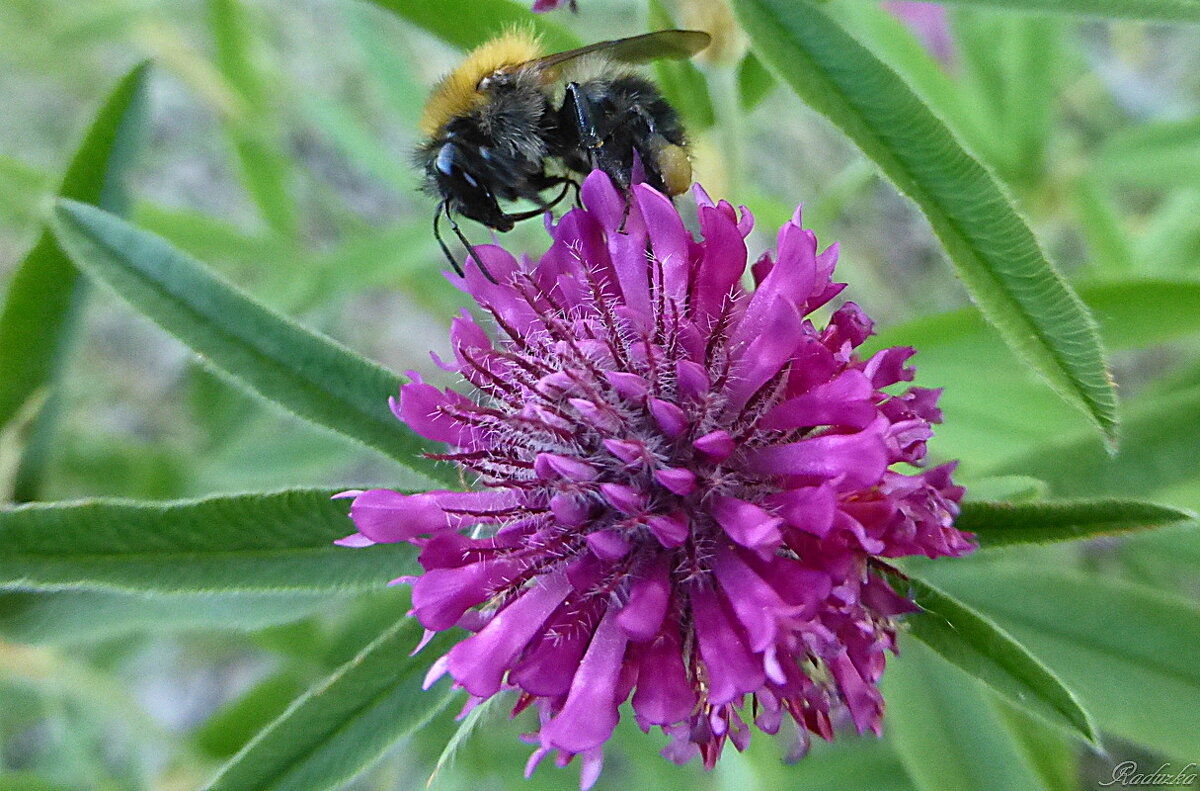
{"points": [[510, 124]]}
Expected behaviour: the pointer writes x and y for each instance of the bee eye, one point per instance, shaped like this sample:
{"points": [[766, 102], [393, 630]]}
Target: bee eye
{"points": [[448, 164], [445, 160]]}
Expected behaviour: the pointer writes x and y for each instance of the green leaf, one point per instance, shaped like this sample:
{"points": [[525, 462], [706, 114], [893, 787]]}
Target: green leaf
{"points": [[345, 722], [469, 23], [478, 716], [973, 643], [29, 781], [1010, 488], [265, 168], [895, 44], [1162, 154], [1161, 437], [947, 730], [1170, 239], [1128, 651], [681, 82], [22, 188], [998, 411], [1005, 524], [250, 542], [1159, 10], [236, 723], [38, 318], [72, 617], [1103, 229], [309, 374], [1008, 276], [754, 82], [1050, 754]]}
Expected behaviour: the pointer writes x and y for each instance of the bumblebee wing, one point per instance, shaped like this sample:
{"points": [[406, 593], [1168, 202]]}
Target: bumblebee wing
{"points": [[673, 44]]}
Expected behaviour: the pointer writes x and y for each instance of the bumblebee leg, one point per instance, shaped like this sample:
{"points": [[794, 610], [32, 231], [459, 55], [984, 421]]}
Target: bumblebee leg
{"points": [[437, 234], [577, 112], [654, 176], [470, 248], [545, 207], [584, 117]]}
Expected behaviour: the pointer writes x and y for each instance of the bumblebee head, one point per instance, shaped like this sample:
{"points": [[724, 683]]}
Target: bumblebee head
{"points": [[457, 173]]}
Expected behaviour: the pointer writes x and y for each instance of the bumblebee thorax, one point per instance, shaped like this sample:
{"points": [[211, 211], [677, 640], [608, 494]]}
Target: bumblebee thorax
{"points": [[466, 89]]}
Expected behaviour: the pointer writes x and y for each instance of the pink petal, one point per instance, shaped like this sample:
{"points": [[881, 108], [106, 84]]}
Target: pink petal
{"points": [[717, 445], [860, 458], [757, 605], [671, 530], [664, 695], [550, 466], [441, 596], [810, 508], [732, 669], [677, 480], [648, 598], [608, 544], [724, 261], [589, 715], [781, 330], [421, 408], [668, 240], [479, 662], [670, 418], [746, 523]]}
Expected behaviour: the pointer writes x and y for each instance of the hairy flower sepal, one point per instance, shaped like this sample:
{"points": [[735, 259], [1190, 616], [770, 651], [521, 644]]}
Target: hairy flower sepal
{"points": [[686, 487]]}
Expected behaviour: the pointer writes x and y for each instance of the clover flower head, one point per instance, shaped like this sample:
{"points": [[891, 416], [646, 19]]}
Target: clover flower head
{"points": [[686, 488]]}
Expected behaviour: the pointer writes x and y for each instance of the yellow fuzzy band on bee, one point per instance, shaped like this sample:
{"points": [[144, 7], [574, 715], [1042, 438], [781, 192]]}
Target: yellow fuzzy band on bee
{"points": [[458, 92]]}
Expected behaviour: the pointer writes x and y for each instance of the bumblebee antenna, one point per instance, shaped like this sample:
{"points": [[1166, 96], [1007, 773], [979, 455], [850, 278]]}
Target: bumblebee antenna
{"points": [[470, 248], [437, 234]]}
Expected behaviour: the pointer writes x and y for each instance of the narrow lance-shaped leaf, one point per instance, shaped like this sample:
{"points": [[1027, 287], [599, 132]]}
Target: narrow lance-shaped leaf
{"points": [[479, 715], [307, 373], [468, 23], [264, 166], [236, 722], [1162, 433], [345, 722], [995, 253], [250, 542], [975, 644], [947, 730], [755, 83], [1155, 10], [682, 84], [1005, 524], [84, 616], [1127, 650], [42, 299]]}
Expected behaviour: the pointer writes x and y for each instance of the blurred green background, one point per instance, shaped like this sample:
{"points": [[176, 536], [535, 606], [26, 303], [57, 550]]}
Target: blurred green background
{"points": [[277, 151]]}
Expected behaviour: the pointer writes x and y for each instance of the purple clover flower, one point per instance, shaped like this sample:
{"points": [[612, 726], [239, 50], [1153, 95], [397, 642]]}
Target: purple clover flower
{"points": [[686, 487]]}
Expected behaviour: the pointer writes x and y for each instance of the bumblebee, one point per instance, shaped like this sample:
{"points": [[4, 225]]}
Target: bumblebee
{"points": [[512, 123]]}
